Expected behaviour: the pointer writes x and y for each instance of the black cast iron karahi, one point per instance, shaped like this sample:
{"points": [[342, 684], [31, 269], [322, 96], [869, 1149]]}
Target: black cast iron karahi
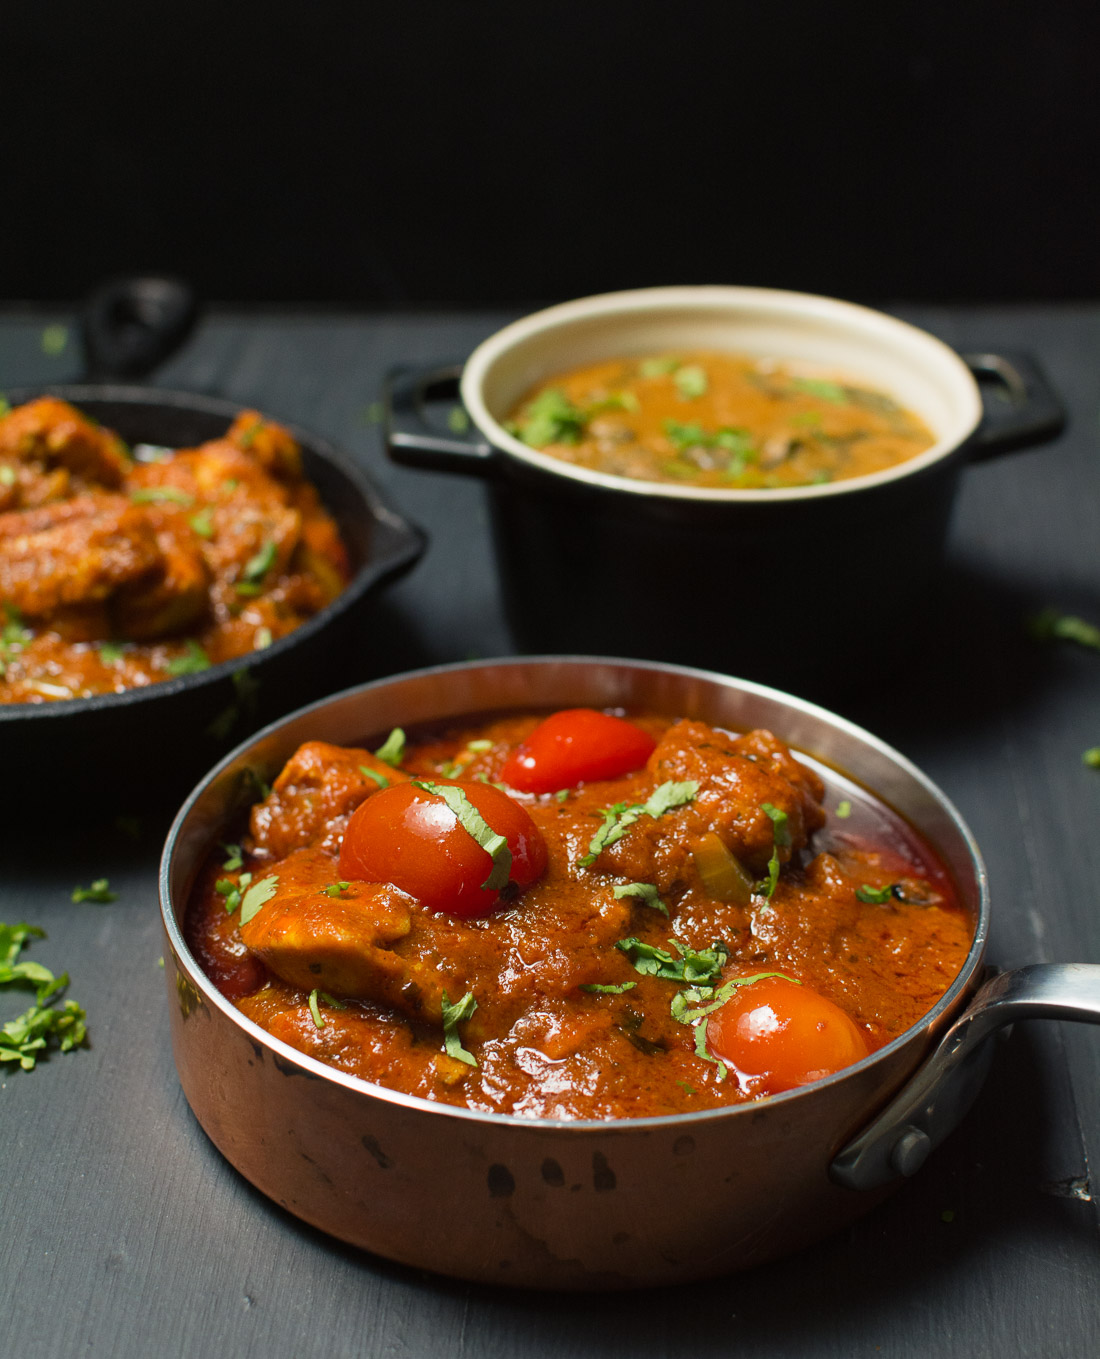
{"points": [[783, 585], [144, 746], [548, 1203]]}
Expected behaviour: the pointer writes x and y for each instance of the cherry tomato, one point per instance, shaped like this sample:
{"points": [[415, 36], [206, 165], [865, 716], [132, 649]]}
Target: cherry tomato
{"points": [[575, 746], [778, 1035], [410, 838]]}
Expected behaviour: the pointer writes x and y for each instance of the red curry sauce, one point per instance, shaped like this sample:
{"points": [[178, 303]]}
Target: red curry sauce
{"points": [[560, 1017]]}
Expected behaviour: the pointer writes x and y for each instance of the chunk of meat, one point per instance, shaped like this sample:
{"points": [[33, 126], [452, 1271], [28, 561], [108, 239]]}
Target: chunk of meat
{"points": [[342, 941], [736, 775], [246, 511], [73, 552], [52, 433], [174, 599], [317, 790], [273, 447]]}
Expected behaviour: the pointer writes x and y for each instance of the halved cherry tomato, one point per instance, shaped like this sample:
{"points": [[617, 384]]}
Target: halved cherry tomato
{"points": [[778, 1035], [575, 746], [410, 838]]}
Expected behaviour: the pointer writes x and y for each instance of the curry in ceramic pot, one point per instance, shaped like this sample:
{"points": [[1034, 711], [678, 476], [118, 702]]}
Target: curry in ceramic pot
{"points": [[717, 420], [579, 915]]}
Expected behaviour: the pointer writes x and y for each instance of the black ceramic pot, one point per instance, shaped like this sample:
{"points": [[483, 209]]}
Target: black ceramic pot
{"points": [[771, 584]]}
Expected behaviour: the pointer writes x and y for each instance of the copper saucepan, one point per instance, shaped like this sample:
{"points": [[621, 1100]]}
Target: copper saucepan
{"points": [[558, 1204]]}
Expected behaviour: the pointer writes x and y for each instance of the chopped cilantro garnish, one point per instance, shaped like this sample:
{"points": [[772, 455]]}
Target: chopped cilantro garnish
{"points": [[256, 568], [832, 392], [7, 474], [314, 1008], [234, 858], [600, 989], [156, 495], [227, 888], [661, 366], [458, 422], [618, 818], [691, 381], [453, 1015], [478, 747], [191, 662], [781, 838], [392, 749], [335, 888], [203, 522], [550, 419], [1091, 757], [645, 892], [247, 437], [1050, 625], [844, 809], [380, 779], [25, 1038], [474, 824], [877, 896], [100, 890], [258, 895], [54, 339], [263, 639], [110, 652], [692, 967]]}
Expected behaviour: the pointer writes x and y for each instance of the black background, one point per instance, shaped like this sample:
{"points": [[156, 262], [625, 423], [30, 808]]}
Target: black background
{"points": [[476, 151]]}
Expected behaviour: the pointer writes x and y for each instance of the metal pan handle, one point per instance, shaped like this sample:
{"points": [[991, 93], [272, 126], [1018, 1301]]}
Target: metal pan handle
{"points": [[413, 441], [1021, 408], [921, 1115]]}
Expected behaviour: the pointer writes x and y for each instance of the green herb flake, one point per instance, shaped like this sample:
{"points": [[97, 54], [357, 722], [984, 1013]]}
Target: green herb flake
{"points": [[691, 382], [259, 565], [686, 965], [5, 406], [844, 809], [781, 838], [158, 495], [314, 1009], [453, 1015], [258, 895], [1091, 757], [562, 795], [1050, 625], [618, 818], [54, 340], [192, 662], [645, 892], [832, 392], [203, 523], [551, 418], [7, 474], [110, 653], [609, 989], [876, 896], [392, 749], [662, 366], [229, 890], [475, 825], [335, 888], [373, 414], [99, 891], [380, 779], [25, 1039], [247, 437], [479, 747], [458, 422]]}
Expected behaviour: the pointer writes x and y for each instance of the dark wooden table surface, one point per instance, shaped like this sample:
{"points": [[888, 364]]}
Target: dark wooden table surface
{"points": [[125, 1234]]}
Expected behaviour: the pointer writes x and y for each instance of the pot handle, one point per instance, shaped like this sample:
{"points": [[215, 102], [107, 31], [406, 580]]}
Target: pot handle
{"points": [[1021, 408], [412, 440], [921, 1115]]}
